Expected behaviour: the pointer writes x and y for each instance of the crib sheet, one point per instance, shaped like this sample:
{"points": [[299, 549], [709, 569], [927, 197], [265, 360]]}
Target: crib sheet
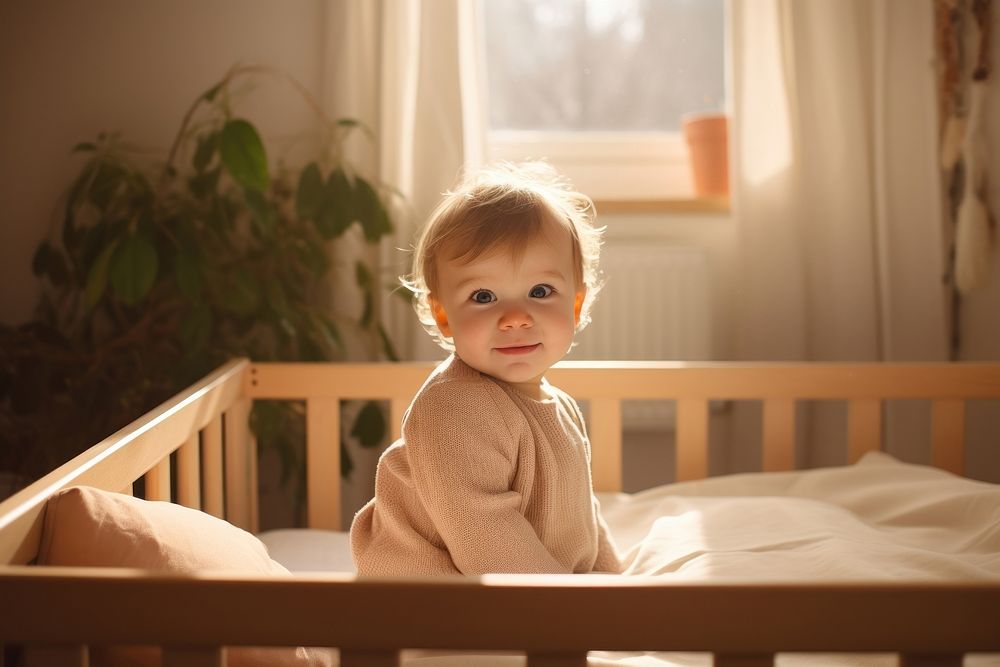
{"points": [[877, 520]]}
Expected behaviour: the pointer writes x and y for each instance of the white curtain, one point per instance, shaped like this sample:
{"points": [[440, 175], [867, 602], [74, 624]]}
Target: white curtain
{"points": [[409, 70], [836, 189]]}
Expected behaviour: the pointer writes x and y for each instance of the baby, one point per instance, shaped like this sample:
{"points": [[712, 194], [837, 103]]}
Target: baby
{"points": [[492, 474]]}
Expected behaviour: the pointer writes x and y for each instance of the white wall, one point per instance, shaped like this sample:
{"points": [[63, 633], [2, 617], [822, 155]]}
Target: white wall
{"points": [[71, 69]]}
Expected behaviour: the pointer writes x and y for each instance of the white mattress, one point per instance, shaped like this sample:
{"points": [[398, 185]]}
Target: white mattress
{"points": [[878, 520]]}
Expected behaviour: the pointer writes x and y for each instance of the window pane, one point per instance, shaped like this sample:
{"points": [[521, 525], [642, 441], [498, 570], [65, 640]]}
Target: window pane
{"points": [[602, 65]]}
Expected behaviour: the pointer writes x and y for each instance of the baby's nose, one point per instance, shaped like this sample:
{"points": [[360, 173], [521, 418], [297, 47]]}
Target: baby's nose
{"points": [[515, 318]]}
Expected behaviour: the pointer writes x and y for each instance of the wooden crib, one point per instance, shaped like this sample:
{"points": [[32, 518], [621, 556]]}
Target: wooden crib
{"points": [[57, 612]]}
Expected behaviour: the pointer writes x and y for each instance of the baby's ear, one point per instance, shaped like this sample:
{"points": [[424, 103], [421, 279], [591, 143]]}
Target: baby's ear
{"points": [[578, 304], [440, 317]]}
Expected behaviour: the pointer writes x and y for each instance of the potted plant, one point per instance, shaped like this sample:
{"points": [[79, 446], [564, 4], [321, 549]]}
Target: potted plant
{"points": [[158, 273]]}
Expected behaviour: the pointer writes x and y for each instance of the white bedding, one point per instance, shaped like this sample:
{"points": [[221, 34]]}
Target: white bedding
{"points": [[879, 519]]}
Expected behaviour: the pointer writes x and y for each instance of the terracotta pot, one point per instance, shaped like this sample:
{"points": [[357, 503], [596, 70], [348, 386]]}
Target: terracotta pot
{"points": [[708, 144]]}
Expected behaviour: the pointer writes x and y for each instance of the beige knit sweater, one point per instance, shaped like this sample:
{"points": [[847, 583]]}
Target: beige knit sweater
{"points": [[484, 480]]}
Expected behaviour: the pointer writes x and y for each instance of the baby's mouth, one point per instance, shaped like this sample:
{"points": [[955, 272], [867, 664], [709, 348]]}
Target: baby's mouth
{"points": [[518, 349]]}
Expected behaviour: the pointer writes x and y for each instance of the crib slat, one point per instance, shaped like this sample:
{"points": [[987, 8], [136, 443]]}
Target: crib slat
{"points": [[186, 656], [254, 485], [606, 443], [743, 660], [211, 467], [158, 481], [692, 439], [323, 463], [864, 427], [557, 659], [397, 408], [236, 451], [779, 435], [56, 656], [948, 435], [369, 658], [189, 474], [918, 660]]}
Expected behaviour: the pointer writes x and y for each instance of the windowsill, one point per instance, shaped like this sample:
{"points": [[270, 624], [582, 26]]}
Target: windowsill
{"points": [[674, 205]]}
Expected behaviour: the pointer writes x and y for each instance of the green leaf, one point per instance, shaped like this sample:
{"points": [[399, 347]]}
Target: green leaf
{"points": [[329, 334], [384, 221], [309, 196], [207, 145], [242, 297], [372, 215], [210, 94], [369, 426], [204, 183], [140, 186], [48, 261], [187, 272], [84, 147], [287, 330], [346, 462], [196, 328], [364, 279], [355, 124], [260, 211], [41, 259], [277, 299], [363, 275], [108, 180], [243, 154], [70, 234], [387, 347], [97, 277], [78, 191], [133, 269], [57, 269], [146, 223], [266, 420], [337, 212], [312, 257]]}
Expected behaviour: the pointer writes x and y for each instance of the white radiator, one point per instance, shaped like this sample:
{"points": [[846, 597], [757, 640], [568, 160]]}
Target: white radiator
{"points": [[656, 304]]}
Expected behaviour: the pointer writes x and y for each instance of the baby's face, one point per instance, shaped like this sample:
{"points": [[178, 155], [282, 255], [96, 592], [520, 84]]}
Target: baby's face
{"points": [[511, 320]]}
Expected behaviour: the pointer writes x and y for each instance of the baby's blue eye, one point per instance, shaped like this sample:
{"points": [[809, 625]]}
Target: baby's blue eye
{"points": [[540, 291], [483, 296]]}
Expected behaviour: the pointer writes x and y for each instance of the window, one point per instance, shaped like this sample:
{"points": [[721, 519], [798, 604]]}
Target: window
{"points": [[599, 87]]}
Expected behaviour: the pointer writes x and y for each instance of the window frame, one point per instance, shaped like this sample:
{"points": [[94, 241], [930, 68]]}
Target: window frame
{"points": [[634, 171], [613, 166]]}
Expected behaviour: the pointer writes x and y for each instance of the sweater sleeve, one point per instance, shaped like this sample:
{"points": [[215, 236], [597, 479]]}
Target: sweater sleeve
{"points": [[462, 443], [608, 559]]}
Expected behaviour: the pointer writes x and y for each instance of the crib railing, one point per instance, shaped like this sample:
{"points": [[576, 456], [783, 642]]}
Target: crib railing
{"points": [[206, 425], [604, 385], [214, 468], [556, 620]]}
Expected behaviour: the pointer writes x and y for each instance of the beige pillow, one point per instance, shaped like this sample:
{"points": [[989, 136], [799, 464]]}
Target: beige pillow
{"points": [[88, 527]]}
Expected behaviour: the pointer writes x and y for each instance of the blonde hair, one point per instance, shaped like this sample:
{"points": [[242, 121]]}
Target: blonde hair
{"points": [[504, 205]]}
